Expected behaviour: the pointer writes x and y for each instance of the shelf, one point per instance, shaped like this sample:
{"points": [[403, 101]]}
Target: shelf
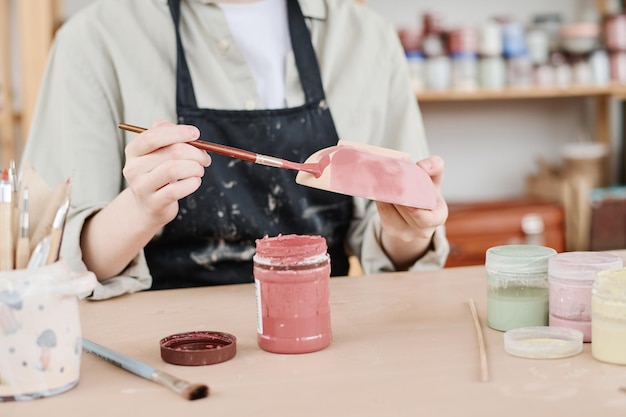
{"points": [[523, 93], [602, 94]]}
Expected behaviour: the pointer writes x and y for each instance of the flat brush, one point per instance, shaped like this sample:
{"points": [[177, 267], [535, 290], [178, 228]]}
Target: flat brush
{"points": [[186, 389], [311, 168]]}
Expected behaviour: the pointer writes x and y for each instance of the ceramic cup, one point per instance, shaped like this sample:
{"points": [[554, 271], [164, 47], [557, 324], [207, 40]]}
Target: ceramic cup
{"points": [[40, 333]]}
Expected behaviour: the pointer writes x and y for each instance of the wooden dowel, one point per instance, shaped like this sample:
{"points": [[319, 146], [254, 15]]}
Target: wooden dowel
{"points": [[484, 369]]}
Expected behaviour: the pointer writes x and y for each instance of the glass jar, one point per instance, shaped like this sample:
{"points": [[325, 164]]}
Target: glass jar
{"points": [[571, 276], [492, 72], [490, 39], [415, 62], [513, 39], [464, 71], [517, 286], [292, 277], [608, 316], [615, 32], [519, 71], [438, 73]]}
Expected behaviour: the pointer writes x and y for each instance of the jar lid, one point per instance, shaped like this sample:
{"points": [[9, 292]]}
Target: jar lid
{"points": [[543, 342], [611, 283], [581, 266], [198, 348], [519, 259], [290, 249]]}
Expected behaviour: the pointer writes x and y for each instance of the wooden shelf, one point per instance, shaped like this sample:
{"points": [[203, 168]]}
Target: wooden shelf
{"points": [[601, 94], [523, 93]]}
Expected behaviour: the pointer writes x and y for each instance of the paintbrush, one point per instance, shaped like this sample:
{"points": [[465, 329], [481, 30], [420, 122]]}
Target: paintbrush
{"points": [[311, 168], [56, 234], [186, 389], [7, 254], [22, 250]]}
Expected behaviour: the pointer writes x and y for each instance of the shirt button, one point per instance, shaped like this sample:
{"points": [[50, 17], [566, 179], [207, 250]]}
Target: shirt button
{"points": [[224, 45], [250, 105]]}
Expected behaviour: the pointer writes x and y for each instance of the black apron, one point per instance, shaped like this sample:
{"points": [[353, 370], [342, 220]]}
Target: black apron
{"points": [[212, 240]]}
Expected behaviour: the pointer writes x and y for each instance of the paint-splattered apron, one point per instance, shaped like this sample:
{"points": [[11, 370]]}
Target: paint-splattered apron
{"points": [[212, 240]]}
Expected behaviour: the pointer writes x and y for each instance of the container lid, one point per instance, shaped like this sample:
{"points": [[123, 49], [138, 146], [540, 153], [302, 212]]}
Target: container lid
{"points": [[581, 266], [611, 283], [543, 342], [198, 348], [519, 259]]}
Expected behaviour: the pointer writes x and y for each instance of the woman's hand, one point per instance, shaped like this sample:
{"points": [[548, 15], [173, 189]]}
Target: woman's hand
{"points": [[407, 231], [161, 169]]}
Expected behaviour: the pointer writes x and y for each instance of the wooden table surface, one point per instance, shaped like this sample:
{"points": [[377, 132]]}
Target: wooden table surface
{"points": [[404, 344]]}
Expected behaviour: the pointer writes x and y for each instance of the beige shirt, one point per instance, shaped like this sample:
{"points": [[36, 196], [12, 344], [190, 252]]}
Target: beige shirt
{"points": [[115, 61]]}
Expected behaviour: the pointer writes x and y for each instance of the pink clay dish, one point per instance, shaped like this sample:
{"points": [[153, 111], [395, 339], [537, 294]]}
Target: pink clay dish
{"points": [[371, 172]]}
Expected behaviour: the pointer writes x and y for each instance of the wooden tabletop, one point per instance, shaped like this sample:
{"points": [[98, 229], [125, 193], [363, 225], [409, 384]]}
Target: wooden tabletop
{"points": [[404, 344]]}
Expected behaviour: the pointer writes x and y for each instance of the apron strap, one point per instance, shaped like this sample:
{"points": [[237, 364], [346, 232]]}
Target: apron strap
{"points": [[304, 54], [185, 96]]}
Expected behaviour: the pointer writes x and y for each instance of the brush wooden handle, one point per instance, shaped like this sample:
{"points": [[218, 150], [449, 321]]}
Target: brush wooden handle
{"points": [[22, 253], [206, 146], [7, 254], [56, 235]]}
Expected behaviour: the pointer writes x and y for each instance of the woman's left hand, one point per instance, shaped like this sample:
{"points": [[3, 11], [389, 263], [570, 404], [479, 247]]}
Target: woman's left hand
{"points": [[407, 231]]}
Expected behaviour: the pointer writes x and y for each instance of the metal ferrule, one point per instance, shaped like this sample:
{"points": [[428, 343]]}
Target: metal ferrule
{"points": [[269, 161], [170, 381]]}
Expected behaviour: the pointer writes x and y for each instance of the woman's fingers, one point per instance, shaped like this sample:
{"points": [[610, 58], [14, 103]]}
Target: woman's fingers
{"points": [[161, 168], [160, 136]]}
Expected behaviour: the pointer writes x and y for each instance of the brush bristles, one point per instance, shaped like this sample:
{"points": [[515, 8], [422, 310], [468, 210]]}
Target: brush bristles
{"points": [[195, 392]]}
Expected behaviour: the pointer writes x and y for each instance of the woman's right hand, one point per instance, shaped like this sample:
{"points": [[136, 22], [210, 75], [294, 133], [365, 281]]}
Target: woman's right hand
{"points": [[161, 169]]}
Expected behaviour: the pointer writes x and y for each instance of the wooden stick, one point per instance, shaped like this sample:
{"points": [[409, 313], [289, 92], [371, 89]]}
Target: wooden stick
{"points": [[484, 371]]}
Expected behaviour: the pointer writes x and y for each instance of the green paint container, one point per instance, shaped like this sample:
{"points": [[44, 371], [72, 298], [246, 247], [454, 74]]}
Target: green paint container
{"points": [[517, 286]]}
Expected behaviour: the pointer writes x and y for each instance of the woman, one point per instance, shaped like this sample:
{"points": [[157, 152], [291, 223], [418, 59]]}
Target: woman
{"points": [[276, 77]]}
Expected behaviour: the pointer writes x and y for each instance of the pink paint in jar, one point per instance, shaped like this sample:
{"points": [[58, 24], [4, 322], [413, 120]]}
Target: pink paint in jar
{"points": [[570, 280], [292, 277]]}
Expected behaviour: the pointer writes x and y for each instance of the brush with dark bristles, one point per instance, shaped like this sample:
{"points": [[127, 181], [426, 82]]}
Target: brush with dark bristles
{"points": [[185, 389]]}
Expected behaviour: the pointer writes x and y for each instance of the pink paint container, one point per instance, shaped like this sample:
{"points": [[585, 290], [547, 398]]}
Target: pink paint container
{"points": [[292, 276], [571, 276]]}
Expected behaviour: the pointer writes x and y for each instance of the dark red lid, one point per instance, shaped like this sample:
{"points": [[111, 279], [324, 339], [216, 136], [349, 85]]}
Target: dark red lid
{"points": [[198, 348]]}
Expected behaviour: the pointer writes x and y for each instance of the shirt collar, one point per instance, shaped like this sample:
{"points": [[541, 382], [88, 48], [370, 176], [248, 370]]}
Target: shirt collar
{"points": [[312, 9]]}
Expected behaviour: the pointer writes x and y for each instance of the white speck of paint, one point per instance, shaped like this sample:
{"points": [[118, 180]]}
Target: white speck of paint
{"points": [[229, 185], [271, 202], [220, 214], [278, 126], [129, 391]]}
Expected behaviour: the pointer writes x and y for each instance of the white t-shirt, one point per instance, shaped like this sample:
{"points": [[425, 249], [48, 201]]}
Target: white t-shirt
{"points": [[262, 33]]}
